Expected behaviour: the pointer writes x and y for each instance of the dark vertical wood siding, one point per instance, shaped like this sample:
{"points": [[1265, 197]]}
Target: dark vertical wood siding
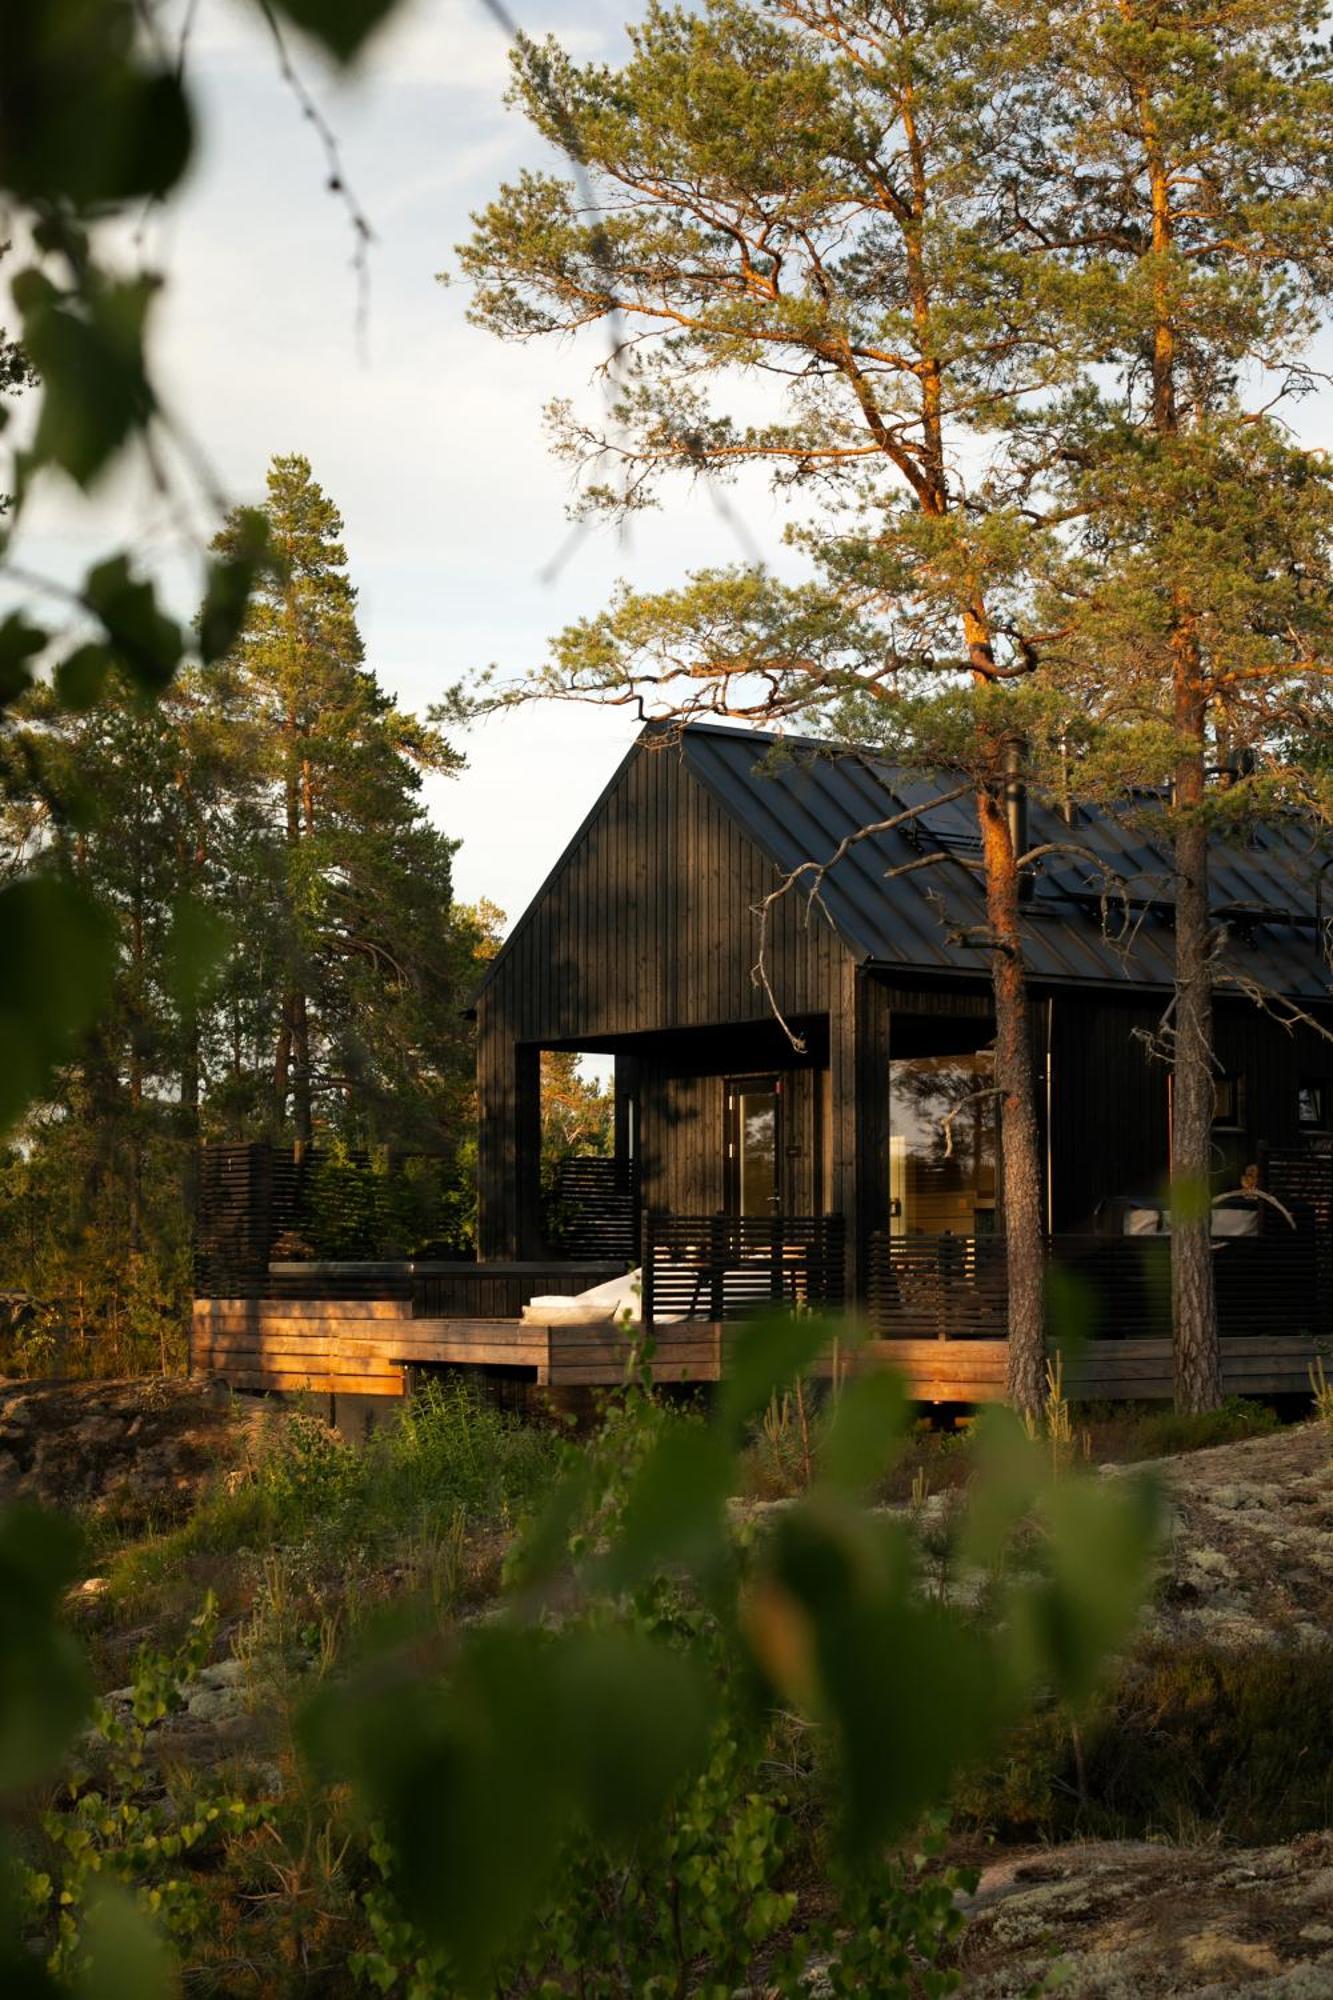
{"points": [[1110, 1122], [646, 926], [859, 1112], [683, 1133], [646, 923], [1109, 1105]]}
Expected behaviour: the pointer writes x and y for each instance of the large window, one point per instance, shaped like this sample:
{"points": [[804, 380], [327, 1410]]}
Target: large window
{"points": [[942, 1145]]}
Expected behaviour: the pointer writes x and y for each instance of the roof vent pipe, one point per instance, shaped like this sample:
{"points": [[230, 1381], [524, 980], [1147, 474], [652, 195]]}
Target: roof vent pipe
{"points": [[1016, 809]]}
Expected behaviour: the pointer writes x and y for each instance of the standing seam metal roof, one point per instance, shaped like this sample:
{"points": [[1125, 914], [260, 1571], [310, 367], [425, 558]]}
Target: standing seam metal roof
{"points": [[798, 805]]}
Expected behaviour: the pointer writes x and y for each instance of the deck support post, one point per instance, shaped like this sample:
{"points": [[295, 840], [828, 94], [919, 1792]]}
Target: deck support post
{"points": [[859, 1114]]}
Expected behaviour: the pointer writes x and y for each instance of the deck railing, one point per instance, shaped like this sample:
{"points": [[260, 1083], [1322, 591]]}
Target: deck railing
{"points": [[727, 1267], [1103, 1287]]}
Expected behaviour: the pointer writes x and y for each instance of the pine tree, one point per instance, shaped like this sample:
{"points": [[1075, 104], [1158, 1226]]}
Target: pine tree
{"points": [[812, 199], [357, 927], [1181, 200]]}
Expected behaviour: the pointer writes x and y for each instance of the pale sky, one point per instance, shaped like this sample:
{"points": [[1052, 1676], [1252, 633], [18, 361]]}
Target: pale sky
{"points": [[431, 443]]}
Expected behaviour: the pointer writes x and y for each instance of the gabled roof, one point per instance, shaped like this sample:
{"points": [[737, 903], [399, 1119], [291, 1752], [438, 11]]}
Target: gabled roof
{"points": [[799, 805]]}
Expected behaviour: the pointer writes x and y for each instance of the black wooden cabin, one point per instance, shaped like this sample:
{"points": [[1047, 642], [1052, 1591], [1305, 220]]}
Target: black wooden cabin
{"points": [[823, 1135], [643, 943]]}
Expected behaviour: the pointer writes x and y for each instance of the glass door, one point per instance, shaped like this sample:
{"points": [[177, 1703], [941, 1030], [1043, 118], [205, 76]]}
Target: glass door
{"points": [[942, 1145], [754, 1145]]}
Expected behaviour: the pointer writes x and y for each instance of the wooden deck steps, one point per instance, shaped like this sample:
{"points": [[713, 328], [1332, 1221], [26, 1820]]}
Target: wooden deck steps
{"points": [[369, 1348]]}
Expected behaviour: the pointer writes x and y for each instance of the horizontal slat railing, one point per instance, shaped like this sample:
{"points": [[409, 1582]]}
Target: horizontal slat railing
{"points": [[727, 1267], [500, 1291], [938, 1287], [1108, 1287], [593, 1210]]}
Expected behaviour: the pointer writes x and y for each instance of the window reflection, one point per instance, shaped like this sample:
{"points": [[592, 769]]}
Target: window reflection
{"points": [[942, 1145], [754, 1147]]}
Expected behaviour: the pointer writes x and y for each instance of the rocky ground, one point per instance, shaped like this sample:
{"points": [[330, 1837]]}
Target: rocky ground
{"points": [[1250, 1557], [134, 1449], [1138, 1921], [1248, 1564]]}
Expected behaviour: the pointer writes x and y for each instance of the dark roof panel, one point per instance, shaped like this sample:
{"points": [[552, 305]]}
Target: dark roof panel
{"points": [[800, 804]]}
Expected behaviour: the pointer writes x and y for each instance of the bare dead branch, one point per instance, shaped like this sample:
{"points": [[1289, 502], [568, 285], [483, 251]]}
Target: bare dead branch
{"points": [[815, 873]]}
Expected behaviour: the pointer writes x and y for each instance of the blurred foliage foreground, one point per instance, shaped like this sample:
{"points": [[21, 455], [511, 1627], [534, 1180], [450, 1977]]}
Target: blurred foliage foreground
{"points": [[686, 1749]]}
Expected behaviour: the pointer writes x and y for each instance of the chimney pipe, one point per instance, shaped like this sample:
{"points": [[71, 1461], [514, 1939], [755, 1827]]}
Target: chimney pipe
{"points": [[1016, 810]]}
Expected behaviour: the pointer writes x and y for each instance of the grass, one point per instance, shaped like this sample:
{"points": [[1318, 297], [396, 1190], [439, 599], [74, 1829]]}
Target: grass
{"points": [[933, 1460], [308, 1521]]}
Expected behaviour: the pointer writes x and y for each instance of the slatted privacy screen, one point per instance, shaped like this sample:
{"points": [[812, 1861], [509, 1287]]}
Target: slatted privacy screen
{"points": [[1100, 1287], [592, 1210], [726, 1267], [260, 1202]]}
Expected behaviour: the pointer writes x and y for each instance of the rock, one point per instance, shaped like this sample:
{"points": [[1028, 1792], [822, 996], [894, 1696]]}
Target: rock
{"points": [[214, 1704], [223, 1673], [95, 1432]]}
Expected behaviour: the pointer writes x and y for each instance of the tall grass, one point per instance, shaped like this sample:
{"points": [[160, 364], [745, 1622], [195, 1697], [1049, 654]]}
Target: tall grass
{"points": [[449, 1463]]}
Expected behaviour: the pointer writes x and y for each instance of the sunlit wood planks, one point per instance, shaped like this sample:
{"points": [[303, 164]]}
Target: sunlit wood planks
{"points": [[368, 1347]]}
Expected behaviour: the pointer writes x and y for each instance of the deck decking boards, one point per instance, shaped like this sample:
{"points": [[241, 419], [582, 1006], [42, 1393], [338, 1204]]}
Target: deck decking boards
{"points": [[365, 1347]]}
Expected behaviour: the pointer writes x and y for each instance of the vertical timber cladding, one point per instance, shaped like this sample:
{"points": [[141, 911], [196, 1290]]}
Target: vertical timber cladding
{"points": [[645, 926], [1111, 1100], [1109, 1115]]}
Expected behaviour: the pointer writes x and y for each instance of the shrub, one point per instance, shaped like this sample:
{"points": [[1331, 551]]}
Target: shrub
{"points": [[1188, 1737]]}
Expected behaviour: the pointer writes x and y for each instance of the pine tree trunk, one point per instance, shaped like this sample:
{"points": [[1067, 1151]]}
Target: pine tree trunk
{"points": [[1196, 1357], [189, 1119], [1020, 1149], [301, 1091], [282, 1064]]}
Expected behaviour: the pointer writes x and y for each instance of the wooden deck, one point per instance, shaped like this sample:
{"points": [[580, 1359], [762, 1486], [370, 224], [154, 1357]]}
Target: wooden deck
{"points": [[370, 1347]]}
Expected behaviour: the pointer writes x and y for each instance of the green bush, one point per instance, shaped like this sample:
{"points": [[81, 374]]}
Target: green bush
{"points": [[1161, 1432]]}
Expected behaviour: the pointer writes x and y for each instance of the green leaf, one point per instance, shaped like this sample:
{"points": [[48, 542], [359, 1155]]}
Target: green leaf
{"points": [[1011, 1474], [79, 680], [480, 1783], [19, 643], [126, 1958], [88, 348], [230, 580], [342, 26], [148, 643], [83, 117], [676, 1509], [635, 1720], [865, 1432], [910, 1689], [45, 1688], [1100, 1537], [769, 1355], [56, 963]]}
